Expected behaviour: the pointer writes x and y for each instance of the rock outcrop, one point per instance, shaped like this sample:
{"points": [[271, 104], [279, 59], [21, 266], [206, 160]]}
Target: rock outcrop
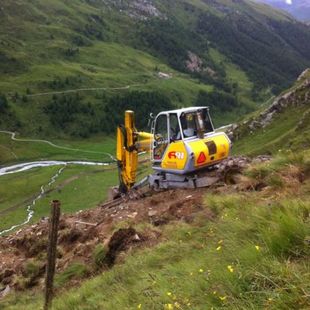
{"points": [[137, 9], [298, 95]]}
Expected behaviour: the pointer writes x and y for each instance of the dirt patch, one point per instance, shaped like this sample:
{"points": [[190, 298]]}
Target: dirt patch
{"points": [[79, 234], [82, 232], [121, 241]]}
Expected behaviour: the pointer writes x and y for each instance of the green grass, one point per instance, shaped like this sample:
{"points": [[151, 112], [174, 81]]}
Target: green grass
{"points": [[276, 136], [236, 75], [99, 256], [93, 149], [78, 188], [36, 39], [18, 189], [252, 256], [74, 271]]}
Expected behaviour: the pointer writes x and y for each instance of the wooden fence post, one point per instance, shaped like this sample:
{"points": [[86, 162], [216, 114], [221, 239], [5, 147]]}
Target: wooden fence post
{"points": [[52, 252]]}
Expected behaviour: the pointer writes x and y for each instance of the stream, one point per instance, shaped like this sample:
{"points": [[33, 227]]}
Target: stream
{"points": [[39, 164]]}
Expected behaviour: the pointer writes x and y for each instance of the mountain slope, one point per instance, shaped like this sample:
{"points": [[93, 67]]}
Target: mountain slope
{"points": [[214, 247], [284, 126], [56, 46]]}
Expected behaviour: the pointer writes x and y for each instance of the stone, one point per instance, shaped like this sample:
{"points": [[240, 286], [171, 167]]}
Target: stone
{"points": [[152, 213], [5, 292]]}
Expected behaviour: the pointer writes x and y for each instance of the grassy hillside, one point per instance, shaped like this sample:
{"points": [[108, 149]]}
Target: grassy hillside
{"points": [[105, 49], [241, 245], [242, 249], [289, 130], [95, 149]]}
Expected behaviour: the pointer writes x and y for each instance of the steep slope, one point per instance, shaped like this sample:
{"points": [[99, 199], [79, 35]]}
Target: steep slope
{"points": [[179, 249], [168, 50], [284, 126]]}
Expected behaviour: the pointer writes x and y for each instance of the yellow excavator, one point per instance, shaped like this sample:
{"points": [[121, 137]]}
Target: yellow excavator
{"points": [[183, 146]]}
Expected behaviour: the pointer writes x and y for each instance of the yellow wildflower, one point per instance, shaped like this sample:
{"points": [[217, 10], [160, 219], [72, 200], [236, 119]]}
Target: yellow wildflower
{"points": [[169, 293], [222, 298], [169, 306], [201, 270], [257, 247], [140, 306], [218, 248], [230, 268]]}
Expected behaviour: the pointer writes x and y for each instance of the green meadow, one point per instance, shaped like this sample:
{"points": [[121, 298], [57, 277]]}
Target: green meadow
{"points": [[252, 254]]}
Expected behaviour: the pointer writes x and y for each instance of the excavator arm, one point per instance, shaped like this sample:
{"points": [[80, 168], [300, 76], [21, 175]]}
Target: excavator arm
{"points": [[130, 143]]}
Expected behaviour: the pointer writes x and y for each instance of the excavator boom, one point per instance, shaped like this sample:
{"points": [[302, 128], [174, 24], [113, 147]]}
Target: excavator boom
{"points": [[129, 143]]}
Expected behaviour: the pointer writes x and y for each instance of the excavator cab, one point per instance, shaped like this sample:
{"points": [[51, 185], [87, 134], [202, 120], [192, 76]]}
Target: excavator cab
{"points": [[182, 143], [185, 141], [179, 125]]}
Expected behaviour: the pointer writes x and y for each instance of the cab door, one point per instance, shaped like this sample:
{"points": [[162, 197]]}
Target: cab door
{"points": [[161, 139]]}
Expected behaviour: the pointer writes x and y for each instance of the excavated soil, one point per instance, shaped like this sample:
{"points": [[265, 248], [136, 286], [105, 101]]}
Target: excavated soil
{"points": [[80, 233]]}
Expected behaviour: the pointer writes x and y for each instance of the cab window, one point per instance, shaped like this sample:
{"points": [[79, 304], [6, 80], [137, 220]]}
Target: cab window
{"points": [[174, 128], [208, 123], [160, 137], [189, 127]]}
